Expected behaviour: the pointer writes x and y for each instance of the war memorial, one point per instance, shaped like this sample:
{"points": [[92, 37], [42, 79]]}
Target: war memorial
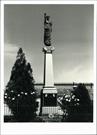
{"points": [[49, 92], [55, 101]]}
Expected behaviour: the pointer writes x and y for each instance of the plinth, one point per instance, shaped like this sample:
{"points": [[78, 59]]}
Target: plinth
{"points": [[49, 92]]}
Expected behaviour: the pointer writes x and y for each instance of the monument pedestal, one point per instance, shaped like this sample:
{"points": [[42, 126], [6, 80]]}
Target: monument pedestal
{"points": [[49, 92], [49, 101]]}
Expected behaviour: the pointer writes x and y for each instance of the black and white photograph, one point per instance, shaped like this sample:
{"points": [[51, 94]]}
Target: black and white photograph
{"points": [[48, 63]]}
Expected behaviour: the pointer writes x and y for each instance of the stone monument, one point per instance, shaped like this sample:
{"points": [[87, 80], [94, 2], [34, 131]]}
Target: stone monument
{"points": [[49, 92]]}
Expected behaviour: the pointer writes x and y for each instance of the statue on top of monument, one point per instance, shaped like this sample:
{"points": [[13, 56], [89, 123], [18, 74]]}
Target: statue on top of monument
{"points": [[47, 30]]}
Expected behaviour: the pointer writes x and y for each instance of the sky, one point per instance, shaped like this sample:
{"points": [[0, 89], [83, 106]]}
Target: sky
{"points": [[72, 37]]}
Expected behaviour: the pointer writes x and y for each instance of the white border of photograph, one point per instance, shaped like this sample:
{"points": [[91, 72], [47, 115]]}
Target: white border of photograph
{"points": [[45, 128]]}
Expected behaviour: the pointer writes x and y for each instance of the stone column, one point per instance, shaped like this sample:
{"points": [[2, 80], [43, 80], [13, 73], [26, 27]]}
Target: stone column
{"points": [[49, 92], [48, 68]]}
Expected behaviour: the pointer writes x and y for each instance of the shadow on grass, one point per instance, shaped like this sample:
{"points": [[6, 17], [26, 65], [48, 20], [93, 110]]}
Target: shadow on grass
{"points": [[72, 118], [12, 119]]}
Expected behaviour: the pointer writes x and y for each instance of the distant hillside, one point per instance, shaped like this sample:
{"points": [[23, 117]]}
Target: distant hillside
{"points": [[63, 87]]}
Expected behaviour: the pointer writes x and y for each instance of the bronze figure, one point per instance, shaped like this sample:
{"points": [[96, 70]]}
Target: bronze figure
{"points": [[47, 30]]}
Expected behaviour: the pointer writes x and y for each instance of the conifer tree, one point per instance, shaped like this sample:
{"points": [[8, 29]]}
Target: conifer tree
{"points": [[20, 94], [78, 105]]}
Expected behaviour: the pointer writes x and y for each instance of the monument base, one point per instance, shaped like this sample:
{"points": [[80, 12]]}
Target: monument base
{"points": [[49, 110], [49, 101]]}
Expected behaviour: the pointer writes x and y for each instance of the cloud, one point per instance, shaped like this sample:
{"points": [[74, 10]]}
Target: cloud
{"points": [[10, 50], [77, 74]]}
